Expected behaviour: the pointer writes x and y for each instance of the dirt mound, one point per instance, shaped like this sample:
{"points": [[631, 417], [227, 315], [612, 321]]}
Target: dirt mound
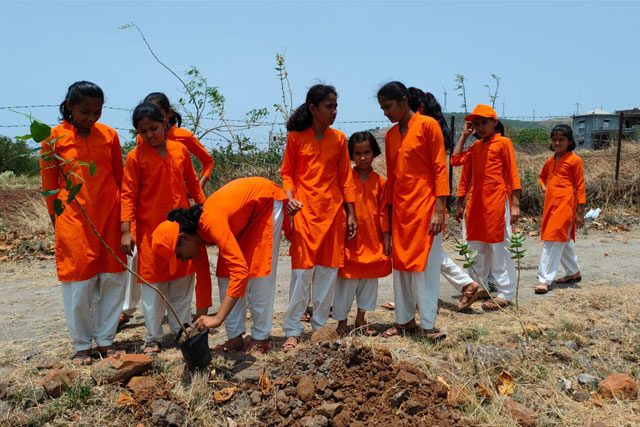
{"points": [[354, 384]]}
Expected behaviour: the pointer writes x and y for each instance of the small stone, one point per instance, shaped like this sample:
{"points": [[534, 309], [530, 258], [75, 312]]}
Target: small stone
{"points": [[581, 396], [315, 421], [329, 409], [281, 395], [120, 368], [572, 345], [306, 389], [406, 378], [565, 385], [413, 407], [563, 355], [256, 397], [46, 363], [39, 394], [326, 334], [343, 419], [57, 380], [283, 408], [322, 384], [399, 398], [142, 384], [520, 413], [247, 373], [619, 386], [339, 395], [583, 361], [588, 380], [488, 354], [165, 413]]}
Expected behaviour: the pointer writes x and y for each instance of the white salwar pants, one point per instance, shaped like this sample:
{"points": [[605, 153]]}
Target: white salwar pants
{"points": [[179, 292], [456, 276], [260, 293], [495, 259], [554, 254], [411, 289], [366, 291], [324, 282], [132, 292], [92, 308]]}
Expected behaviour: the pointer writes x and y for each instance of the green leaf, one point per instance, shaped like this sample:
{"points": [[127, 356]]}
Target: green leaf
{"points": [[74, 192], [68, 184], [92, 168], [58, 207], [24, 137], [39, 131], [50, 192]]}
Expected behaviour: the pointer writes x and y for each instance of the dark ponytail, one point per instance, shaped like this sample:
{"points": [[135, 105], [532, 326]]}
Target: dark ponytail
{"points": [[394, 91], [301, 118], [431, 108], [76, 93], [187, 218], [161, 100], [147, 110]]}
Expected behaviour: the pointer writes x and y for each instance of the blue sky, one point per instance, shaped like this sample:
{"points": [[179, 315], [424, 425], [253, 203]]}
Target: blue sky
{"points": [[550, 55]]}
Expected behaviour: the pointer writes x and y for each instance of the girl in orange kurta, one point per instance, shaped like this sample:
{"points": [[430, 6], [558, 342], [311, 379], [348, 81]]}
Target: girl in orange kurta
{"points": [[494, 201], [158, 173], [92, 280], [417, 185], [562, 181], [317, 179], [173, 132], [366, 257], [244, 219]]}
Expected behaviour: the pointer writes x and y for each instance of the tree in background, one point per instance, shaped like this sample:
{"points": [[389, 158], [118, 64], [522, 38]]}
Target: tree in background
{"points": [[17, 157]]}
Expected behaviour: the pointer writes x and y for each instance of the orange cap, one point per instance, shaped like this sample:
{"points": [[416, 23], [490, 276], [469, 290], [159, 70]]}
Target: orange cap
{"points": [[482, 110], [163, 242]]}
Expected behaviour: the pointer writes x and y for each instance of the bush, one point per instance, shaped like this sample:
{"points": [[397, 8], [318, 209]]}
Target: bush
{"points": [[531, 136], [17, 157]]}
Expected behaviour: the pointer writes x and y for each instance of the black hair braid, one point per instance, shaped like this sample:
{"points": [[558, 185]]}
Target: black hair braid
{"points": [[188, 219]]}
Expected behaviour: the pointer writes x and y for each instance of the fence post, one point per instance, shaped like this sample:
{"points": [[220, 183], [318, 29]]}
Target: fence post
{"points": [[453, 140], [619, 147]]}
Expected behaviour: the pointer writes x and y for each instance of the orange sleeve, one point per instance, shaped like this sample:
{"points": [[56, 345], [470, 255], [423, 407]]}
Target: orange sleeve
{"points": [[465, 180], [130, 188], [229, 249], [391, 176], [203, 278], [116, 160], [439, 158], [191, 180], [578, 182], [511, 167], [544, 174], [49, 173], [346, 176], [383, 208], [196, 148], [288, 168], [462, 158]]}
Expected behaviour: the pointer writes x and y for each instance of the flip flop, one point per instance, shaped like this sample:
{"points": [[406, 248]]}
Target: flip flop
{"points": [[227, 347], [290, 344], [389, 305], [105, 351], [151, 348], [262, 347], [470, 296], [541, 289], [493, 305], [81, 358], [568, 280], [396, 330], [365, 330], [434, 335]]}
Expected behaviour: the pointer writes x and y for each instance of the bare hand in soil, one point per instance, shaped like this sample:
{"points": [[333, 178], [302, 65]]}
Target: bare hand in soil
{"points": [[208, 322]]}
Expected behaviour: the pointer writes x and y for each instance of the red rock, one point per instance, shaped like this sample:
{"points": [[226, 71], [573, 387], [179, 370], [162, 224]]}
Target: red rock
{"points": [[619, 386], [120, 368], [306, 389], [343, 419], [407, 378], [57, 380], [521, 414], [142, 384], [326, 334]]}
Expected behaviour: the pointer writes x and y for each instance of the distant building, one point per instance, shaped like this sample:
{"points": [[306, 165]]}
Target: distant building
{"points": [[596, 129]]}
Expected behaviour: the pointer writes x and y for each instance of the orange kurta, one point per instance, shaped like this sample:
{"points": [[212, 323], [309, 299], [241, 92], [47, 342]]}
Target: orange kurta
{"points": [[195, 147], [152, 187], [79, 253], [417, 174], [318, 173], [364, 255], [494, 175], [238, 218], [564, 181]]}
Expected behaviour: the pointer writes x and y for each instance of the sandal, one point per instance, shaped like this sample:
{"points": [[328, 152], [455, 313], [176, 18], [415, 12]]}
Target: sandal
{"points": [[81, 358], [290, 344], [124, 319], [306, 316], [105, 351], [405, 329], [389, 305], [566, 280], [495, 304], [541, 289], [470, 294], [258, 346], [365, 330], [434, 335], [231, 345], [152, 347]]}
